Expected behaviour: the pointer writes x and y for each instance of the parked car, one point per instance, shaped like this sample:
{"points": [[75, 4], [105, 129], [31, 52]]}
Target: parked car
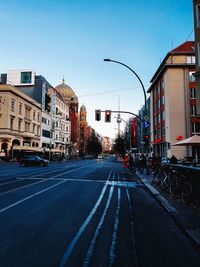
{"points": [[33, 160]]}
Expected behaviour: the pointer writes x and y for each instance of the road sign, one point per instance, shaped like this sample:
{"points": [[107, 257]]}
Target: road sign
{"points": [[146, 124]]}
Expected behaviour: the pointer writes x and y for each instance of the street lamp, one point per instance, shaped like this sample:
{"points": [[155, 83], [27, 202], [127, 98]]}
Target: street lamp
{"points": [[118, 62]]}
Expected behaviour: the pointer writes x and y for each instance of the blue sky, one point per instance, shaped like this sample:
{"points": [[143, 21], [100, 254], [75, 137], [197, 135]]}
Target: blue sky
{"points": [[72, 38]]}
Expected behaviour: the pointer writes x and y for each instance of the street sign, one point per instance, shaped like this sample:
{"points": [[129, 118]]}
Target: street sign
{"points": [[146, 124]]}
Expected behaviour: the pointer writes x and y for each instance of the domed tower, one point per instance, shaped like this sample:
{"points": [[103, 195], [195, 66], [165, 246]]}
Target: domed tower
{"points": [[82, 130], [72, 100]]}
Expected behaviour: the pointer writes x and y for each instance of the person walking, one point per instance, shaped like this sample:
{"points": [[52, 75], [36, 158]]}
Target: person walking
{"points": [[143, 163], [130, 162], [126, 160]]}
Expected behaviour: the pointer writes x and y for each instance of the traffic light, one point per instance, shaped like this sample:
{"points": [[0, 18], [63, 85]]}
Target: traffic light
{"points": [[97, 114], [108, 116], [146, 139]]}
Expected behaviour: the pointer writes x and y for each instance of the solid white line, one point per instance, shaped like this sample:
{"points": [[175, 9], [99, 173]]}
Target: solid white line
{"points": [[92, 244], [112, 254], [75, 240], [31, 196], [18, 188]]}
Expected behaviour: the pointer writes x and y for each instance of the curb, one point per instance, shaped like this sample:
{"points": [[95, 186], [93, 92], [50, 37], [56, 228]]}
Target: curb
{"points": [[193, 235]]}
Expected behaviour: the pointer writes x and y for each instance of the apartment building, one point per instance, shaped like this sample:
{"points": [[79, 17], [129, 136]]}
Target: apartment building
{"points": [[173, 100], [61, 125], [196, 8], [20, 120], [35, 86]]}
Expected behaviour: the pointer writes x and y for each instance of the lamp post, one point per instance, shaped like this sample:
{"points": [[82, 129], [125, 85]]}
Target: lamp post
{"points": [[145, 97]]}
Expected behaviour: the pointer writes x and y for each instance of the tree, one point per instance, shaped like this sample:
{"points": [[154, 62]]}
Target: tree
{"points": [[119, 146], [94, 146]]}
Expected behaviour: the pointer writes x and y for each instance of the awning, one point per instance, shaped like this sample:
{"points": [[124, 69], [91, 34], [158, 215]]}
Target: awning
{"points": [[27, 148]]}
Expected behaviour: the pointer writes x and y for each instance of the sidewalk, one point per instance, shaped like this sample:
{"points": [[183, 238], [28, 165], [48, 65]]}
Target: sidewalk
{"points": [[186, 216]]}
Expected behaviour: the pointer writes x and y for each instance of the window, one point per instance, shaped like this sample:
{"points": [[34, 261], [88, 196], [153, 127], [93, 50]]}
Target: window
{"points": [[11, 123], [20, 108], [198, 53], [191, 59], [198, 15], [163, 115], [38, 130], [27, 127], [12, 105], [33, 128], [191, 76], [27, 113], [26, 77], [195, 127], [34, 115], [46, 133], [44, 120], [38, 117], [193, 110], [192, 93], [19, 125]]}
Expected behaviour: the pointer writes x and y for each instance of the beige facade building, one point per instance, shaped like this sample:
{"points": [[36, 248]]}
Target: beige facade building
{"points": [[173, 102], [20, 120]]}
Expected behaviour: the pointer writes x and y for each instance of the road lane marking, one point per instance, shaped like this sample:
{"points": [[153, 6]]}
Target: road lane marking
{"points": [[132, 229], [112, 254], [10, 182], [74, 170], [96, 234], [18, 188], [48, 172], [31, 196], [82, 228]]}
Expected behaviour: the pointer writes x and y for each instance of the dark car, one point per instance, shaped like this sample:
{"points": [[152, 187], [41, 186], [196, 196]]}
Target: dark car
{"points": [[33, 160]]}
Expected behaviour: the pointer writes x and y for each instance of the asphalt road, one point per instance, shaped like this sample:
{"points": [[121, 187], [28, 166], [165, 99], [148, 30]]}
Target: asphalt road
{"points": [[85, 213]]}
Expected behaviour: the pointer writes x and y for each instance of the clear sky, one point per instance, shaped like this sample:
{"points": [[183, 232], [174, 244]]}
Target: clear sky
{"points": [[72, 37]]}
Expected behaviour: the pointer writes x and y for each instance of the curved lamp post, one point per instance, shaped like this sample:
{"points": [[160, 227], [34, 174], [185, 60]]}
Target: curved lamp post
{"points": [[118, 62]]}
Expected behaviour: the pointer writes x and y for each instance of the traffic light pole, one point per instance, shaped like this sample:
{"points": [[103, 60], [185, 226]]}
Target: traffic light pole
{"points": [[125, 112]]}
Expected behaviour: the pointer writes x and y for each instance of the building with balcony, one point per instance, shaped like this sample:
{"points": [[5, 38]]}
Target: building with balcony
{"points": [[196, 8], [173, 100], [20, 122], [61, 125], [71, 99], [35, 86]]}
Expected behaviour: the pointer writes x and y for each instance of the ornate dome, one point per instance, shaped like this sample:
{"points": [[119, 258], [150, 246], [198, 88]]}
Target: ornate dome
{"points": [[65, 90], [83, 108]]}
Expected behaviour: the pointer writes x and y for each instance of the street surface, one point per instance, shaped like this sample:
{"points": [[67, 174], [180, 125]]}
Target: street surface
{"points": [[85, 213]]}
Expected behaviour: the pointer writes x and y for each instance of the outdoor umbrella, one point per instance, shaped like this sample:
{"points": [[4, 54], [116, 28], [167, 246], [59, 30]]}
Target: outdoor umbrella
{"points": [[191, 141]]}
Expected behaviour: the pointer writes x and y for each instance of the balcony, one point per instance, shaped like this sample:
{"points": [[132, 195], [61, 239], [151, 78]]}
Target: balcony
{"points": [[28, 134]]}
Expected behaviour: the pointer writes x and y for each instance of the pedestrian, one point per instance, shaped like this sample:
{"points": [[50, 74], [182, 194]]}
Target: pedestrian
{"points": [[173, 160], [136, 163], [130, 162], [143, 163], [126, 159]]}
